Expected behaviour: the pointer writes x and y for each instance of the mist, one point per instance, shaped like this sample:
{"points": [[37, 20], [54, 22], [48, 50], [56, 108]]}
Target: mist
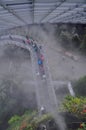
{"points": [[16, 72]]}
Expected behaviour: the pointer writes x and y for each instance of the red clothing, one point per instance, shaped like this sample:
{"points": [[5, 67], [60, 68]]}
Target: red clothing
{"points": [[42, 57], [28, 41], [84, 111], [81, 125]]}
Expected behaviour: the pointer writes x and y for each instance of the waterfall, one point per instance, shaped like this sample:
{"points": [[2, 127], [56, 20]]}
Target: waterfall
{"points": [[71, 89]]}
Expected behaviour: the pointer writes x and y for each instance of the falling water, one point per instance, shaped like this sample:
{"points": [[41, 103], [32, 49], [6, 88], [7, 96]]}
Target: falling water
{"points": [[71, 89]]}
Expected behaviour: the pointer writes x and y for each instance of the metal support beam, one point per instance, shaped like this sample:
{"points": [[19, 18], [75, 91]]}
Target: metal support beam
{"points": [[53, 10], [54, 19], [74, 18], [12, 12], [8, 21], [33, 9], [69, 10]]}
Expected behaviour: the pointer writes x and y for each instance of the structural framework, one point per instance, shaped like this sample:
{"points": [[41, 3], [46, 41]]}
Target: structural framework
{"points": [[15, 13]]}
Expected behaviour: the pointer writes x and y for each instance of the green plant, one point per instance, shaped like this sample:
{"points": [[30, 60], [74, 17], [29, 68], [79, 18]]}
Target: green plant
{"points": [[14, 119], [75, 106], [80, 87], [76, 40], [83, 44], [82, 126], [28, 121]]}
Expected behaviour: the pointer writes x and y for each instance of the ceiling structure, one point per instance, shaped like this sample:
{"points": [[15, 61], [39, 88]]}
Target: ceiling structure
{"points": [[15, 13]]}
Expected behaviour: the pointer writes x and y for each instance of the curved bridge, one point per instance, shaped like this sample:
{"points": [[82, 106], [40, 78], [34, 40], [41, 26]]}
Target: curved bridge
{"points": [[43, 88]]}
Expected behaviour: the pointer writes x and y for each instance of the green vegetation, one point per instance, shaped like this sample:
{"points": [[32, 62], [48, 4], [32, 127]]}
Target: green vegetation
{"points": [[72, 36], [75, 106], [82, 126], [76, 40], [28, 121], [66, 38], [12, 100], [80, 87], [14, 119], [83, 43]]}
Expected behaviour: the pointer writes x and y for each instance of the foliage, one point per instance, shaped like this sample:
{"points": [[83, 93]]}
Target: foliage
{"points": [[14, 119], [12, 100], [29, 121], [76, 40], [80, 87], [43, 118], [82, 126], [65, 38], [76, 106], [83, 44], [73, 36]]}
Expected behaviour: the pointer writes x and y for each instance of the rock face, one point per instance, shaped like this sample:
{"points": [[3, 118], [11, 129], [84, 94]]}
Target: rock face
{"points": [[48, 125], [71, 120]]}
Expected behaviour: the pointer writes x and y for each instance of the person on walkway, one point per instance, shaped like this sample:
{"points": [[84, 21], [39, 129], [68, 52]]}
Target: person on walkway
{"points": [[28, 41], [42, 110], [42, 57], [10, 37], [24, 41], [40, 62]]}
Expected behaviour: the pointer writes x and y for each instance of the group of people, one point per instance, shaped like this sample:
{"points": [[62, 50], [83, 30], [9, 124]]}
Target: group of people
{"points": [[37, 49], [40, 57], [40, 60]]}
